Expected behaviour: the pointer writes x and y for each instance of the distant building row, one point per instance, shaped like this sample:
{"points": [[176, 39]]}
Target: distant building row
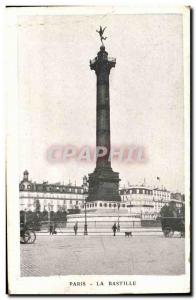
{"points": [[135, 199]]}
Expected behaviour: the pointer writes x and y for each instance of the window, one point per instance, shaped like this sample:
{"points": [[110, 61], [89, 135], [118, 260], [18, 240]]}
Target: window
{"points": [[95, 204], [110, 205], [114, 205], [70, 201], [123, 205], [105, 204], [22, 186], [29, 187], [100, 204], [76, 202]]}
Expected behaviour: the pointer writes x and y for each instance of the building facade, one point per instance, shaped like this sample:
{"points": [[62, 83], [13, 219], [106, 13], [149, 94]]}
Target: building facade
{"points": [[144, 200], [177, 199], [50, 197], [139, 199], [161, 197]]}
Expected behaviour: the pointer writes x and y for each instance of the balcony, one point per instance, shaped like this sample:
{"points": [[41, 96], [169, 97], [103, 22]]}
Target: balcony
{"points": [[112, 59], [92, 61]]}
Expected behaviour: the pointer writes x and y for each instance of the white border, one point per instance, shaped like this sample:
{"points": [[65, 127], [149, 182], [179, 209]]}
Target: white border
{"points": [[54, 285]]}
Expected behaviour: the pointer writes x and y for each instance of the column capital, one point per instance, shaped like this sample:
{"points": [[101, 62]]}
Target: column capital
{"points": [[102, 62]]}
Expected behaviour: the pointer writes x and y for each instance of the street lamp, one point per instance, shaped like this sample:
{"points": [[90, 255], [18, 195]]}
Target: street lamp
{"points": [[85, 215], [85, 222], [49, 213], [118, 217], [25, 216]]}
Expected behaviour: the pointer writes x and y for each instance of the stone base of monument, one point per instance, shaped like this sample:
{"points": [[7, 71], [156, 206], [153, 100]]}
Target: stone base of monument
{"points": [[101, 219], [103, 184]]}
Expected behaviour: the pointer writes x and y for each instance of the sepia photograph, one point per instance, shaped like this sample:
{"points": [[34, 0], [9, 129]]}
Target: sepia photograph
{"points": [[98, 150]]}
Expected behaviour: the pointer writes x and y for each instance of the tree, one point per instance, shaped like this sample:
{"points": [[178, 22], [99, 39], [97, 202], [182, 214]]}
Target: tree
{"points": [[22, 216], [44, 215], [181, 211], [168, 211], [37, 206]]}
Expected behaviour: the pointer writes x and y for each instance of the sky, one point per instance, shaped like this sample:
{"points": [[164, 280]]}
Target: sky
{"points": [[57, 94]]}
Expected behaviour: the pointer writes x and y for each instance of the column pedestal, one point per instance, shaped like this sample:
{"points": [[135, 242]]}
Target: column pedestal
{"points": [[104, 185]]}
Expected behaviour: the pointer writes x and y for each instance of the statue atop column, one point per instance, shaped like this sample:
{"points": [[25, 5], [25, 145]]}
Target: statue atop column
{"points": [[101, 32]]}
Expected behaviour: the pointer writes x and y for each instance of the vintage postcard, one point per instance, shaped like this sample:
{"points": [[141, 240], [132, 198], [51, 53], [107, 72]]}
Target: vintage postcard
{"points": [[98, 150]]}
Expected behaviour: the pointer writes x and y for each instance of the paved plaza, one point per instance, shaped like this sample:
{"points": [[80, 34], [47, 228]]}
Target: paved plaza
{"points": [[70, 255]]}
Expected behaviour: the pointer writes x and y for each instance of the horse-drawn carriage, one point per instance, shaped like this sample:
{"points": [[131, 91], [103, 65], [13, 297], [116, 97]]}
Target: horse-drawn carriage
{"points": [[27, 234], [172, 224]]}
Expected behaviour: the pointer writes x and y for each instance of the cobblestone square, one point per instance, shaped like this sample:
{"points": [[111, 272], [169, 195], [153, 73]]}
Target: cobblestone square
{"points": [[70, 255]]}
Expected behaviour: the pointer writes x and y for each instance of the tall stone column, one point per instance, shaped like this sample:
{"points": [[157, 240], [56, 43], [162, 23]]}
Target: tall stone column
{"points": [[103, 182], [102, 66]]}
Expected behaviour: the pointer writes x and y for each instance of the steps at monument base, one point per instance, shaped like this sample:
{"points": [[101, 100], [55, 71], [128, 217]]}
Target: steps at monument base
{"points": [[103, 220]]}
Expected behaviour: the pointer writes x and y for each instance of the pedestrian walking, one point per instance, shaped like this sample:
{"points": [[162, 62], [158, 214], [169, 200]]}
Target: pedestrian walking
{"points": [[50, 228], [76, 228], [54, 229], [114, 228]]}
